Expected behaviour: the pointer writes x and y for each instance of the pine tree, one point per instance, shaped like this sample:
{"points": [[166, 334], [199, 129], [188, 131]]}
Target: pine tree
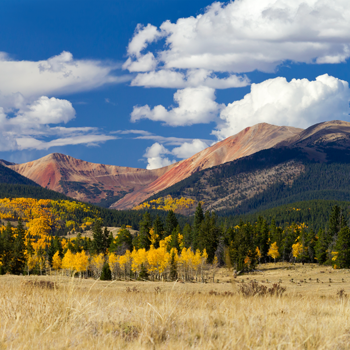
{"points": [[122, 242], [98, 239], [321, 247], [173, 266], [158, 228], [170, 223], [144, 235], [18, 259], [7, 243], [107, 239], [342, 247], [174, 243], [106, 274], [263, 236], [198, 218], [143, 275], [208, 235], [187, 233]]}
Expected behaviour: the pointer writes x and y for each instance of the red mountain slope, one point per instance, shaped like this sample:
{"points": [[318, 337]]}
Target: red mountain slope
{"points": [[86, 181], [92, 182], [248, 141]]}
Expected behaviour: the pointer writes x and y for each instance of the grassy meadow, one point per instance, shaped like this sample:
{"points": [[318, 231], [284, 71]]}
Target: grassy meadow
{"points": [[87, 314]]}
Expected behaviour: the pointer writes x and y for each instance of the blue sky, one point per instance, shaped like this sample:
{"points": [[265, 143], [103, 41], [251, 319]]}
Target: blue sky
{"points": [[146, 83]]}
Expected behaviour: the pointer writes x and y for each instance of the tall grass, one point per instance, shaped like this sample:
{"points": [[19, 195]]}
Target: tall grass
{"points": [[98, 315]]}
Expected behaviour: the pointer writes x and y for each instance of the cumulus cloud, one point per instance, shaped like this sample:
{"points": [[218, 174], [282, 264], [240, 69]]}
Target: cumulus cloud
{"points": [[195, 105], [193, 78], [142, 37], [158, 156], [56, 75], [188, 149], [247, 35], [299, 103], [31, 126], [29, 118], [155, 156]]}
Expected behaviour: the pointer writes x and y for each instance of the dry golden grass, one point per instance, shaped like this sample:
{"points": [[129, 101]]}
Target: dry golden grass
{"points": [[85, 314]]}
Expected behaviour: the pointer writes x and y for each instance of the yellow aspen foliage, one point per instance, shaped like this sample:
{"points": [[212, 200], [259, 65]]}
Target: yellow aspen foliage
{"points": [[168, 203], [68, 261], [113, 264], [153, 236], [139, 258], [56, 261], [97, 263], [297, 249], [81, 261], [64, 243], [258, 252], [158, 259], [124, 261], [273, 251], [32, 261], [180, 240]]}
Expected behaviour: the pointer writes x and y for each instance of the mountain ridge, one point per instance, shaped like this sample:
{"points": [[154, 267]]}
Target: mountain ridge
{"points": [[125, 187]]}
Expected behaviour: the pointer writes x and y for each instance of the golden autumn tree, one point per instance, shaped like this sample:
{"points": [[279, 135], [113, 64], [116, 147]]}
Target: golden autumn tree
{"points": [[97, 262], [113, 265], [56, 261], [68, 261], [297, 249], [81, 262], [273, 251]]}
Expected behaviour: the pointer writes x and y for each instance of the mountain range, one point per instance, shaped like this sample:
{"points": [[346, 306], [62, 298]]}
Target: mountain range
{"points": [[229, 176]]}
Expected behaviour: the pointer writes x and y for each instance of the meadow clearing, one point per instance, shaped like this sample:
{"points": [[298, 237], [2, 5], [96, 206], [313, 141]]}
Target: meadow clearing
{"points": [[87, 314]]}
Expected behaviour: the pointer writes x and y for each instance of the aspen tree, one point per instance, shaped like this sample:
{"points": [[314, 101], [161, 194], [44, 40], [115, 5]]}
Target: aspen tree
{"points": [[81, 262], [56, 261], [273, 251], [68, 261]]}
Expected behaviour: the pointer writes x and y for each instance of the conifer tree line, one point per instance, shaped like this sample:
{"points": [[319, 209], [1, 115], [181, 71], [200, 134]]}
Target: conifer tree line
{"points": [[162, 249]]}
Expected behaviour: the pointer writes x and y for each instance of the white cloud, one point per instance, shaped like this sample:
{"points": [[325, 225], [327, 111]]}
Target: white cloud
{"points": [[32, 143], [57, 75], [187, 149], [155, 156], [196, 105], [44, 111], [193, 78], [28, 115], [245, 35], [30, 127], [298, 103], [142, 64], [142, 37]]}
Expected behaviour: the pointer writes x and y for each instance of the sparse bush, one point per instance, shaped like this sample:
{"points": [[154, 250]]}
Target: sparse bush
{"points": [[253, 288]]}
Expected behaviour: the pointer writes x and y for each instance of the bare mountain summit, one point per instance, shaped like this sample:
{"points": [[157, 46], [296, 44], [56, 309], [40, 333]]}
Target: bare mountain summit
{"points": [[127, 187], [86, 181], [247, 142]]}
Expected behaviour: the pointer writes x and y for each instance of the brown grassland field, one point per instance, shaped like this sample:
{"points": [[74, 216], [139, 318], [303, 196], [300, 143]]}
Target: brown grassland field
{"points": [[87, 314]]}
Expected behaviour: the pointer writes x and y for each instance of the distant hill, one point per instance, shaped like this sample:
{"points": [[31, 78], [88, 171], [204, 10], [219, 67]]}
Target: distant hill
{"points": [[313, 165]]}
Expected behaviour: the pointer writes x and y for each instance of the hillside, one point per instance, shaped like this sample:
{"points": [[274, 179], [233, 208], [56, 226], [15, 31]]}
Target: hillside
{"points": [[314, 165], [123, 188], [89, 182], [247, 142], [8, 176]]}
